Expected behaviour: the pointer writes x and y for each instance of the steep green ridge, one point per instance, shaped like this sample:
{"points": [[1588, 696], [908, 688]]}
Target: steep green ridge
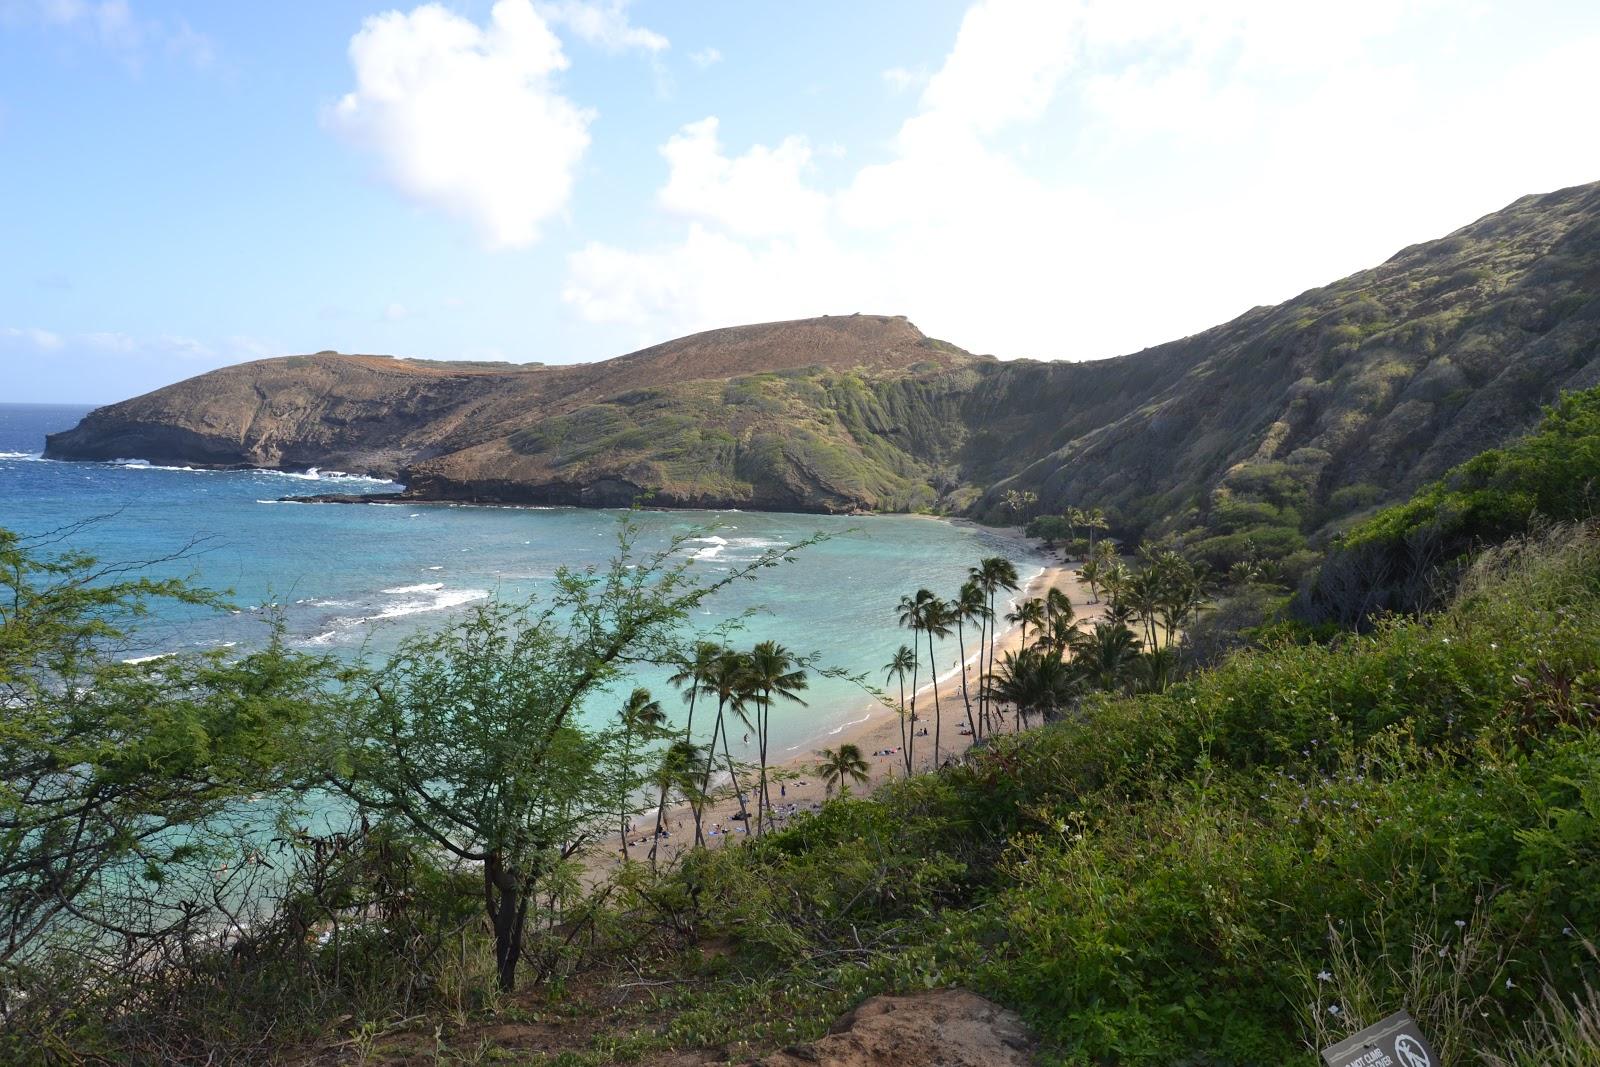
{"points": [[1400, 559], [1281, 426], [1291, 420]]}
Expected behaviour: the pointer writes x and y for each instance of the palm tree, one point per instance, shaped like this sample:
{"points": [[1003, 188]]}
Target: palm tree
{"points": [[1058, 624], [1143, 593], [1032, 681], [936, 619], [1073, 517], [1057, 604], [678, 769], [1093, 519], [1156, 669], [727, 680], [1029, 611], [1182, 598], [695, 674], [967, 606], [1114, 576], [903, 663], [1018, 503], [991, 575], [1056, 635], [841, 767], [641, 717], [1106, 656], [772, 670], [910, 617], [1098, 567]]}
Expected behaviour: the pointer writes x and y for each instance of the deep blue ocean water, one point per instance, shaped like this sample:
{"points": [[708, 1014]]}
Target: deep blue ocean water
{"points": [[353, 580]]}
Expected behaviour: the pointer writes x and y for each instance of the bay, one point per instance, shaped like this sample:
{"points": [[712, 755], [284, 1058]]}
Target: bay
{"points": [[354, 580]]}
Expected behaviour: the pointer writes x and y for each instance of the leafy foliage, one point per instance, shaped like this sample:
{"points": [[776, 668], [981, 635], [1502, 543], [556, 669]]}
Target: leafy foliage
{"points": [[1403, 557]]}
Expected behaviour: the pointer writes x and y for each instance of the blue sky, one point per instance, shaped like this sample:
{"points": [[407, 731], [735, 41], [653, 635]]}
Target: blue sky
{"points": [[188, 184]]}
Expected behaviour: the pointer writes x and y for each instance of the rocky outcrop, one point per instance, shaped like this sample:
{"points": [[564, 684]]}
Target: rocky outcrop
{"points": [[1287, 421], [604, 434], [944, 1028]]}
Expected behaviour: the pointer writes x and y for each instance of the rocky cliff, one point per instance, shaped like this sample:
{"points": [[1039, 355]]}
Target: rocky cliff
{"points": [[1282, 424]]}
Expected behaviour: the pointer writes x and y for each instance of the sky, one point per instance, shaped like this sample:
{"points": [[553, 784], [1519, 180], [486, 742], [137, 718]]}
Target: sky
{"points": [[186, 184]]}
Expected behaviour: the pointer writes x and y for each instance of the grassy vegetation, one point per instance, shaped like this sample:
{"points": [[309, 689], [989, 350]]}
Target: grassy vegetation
{"points": [[805, 438], [1395, 560], [1413, 815], [1233, 868], [1253, 862]]}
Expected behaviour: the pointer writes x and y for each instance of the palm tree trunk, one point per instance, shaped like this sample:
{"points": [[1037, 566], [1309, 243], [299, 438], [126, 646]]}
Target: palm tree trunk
{"points": [[733, 776], [911, 743], [992, 623], [933, 674], [661, 811], [688, 737], [903, 749], [705, 781], [966, 701], [622, 805], [764, 800]]}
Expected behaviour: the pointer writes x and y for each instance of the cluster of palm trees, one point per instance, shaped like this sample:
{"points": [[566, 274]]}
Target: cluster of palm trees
{"points": [[925, 614], [1148, 603], [1160, 593], [745, 685], [1058, 662]]}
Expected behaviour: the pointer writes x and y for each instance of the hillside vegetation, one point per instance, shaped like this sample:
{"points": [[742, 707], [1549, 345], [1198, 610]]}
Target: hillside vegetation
{"points": [[1234, 869], [1405, 557], [1265, 434]]}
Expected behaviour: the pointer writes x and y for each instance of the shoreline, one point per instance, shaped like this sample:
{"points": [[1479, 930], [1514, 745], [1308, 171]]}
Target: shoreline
{"points": [[795, 786]]}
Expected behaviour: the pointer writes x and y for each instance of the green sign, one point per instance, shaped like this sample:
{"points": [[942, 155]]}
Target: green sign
{"points": [[1394, 1042]]}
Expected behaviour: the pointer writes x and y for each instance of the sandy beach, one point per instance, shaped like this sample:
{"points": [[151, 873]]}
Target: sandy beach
{"points": [[873, 728]]}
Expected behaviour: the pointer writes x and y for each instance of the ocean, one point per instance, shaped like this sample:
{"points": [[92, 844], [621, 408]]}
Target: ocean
{"points": [[353, 580]]}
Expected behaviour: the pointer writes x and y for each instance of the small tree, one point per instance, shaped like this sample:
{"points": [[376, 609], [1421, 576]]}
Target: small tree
{"points": [[472, 735], [117, 778]]}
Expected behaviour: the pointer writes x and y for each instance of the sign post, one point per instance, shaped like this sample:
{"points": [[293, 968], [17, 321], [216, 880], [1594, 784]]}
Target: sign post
{"points": [[1394, 1042]]}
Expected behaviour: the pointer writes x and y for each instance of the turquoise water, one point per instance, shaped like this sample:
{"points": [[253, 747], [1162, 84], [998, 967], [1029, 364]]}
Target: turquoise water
{"points": [[355, 580]]}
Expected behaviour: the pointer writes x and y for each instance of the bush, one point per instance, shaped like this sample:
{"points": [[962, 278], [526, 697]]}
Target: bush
{"points": [[1413, 814], [1405, 558]]}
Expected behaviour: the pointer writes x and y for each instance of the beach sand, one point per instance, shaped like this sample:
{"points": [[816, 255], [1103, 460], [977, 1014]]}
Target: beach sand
{"points": [[796, 786]]}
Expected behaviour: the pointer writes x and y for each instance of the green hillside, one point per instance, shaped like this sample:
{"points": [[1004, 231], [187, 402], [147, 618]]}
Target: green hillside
{"points": [[1404, 558], [1265, 434], [1235, 869]]}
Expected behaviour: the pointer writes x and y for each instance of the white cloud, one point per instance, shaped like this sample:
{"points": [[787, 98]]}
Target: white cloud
{"points": [[760, 193], [603, 23], [705, 57], [396, 312], [467, 119], [31, 337], [1082, 179], [161, 348]]}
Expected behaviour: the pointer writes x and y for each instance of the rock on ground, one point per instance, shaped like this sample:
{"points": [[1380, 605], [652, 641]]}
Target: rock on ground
{"points": [[944, 1028]]}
